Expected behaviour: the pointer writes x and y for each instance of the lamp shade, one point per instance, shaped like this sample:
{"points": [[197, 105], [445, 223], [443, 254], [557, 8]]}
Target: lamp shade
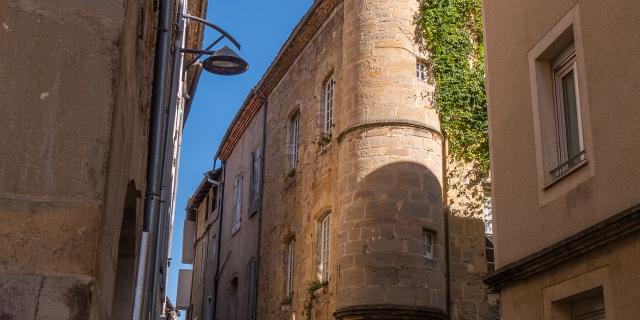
{"points": [[225, 62]]}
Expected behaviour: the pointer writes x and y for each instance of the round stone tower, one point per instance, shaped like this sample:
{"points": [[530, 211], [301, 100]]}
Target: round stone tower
{"points": [[390, 226]]}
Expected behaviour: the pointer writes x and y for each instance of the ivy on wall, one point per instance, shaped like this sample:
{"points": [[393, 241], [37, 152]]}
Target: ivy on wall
{"points": [[451, 31]]}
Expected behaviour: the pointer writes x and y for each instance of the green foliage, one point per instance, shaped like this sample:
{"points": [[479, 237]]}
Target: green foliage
{"points": [[287, 301], [451, 31], [312, 287]]}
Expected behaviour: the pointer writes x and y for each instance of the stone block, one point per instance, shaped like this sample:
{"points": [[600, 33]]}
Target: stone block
{"points": [[387, 276]]}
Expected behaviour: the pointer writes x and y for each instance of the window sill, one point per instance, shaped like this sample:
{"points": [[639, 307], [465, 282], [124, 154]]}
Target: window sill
{"points": [[566, 174], [324, 149]]}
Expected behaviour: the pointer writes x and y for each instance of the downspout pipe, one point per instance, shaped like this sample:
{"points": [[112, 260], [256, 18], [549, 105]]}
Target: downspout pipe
{"points": [[141, 309], [262, 174], [166, 206], [216, 280]]}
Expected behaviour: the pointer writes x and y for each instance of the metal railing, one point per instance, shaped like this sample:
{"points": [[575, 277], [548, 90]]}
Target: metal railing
{"points": [[564, 167]]}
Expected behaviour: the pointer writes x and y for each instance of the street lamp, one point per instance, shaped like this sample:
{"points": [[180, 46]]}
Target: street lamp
{"points": [[224, 62]]}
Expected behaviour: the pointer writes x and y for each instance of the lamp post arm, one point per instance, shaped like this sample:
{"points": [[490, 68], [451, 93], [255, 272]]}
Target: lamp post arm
{"points": [[187, 50], [224, 33], [195, 59]]}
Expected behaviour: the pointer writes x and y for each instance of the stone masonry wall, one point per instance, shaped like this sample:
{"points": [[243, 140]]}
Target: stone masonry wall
{"points": [[75, 93], [292, 206]]}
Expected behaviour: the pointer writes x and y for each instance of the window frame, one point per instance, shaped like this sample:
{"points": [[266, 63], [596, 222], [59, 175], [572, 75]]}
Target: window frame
{"points": [[324, 248], [564, 64], [428, 243], [294, 139], [421, 70], [289, 267], [329, 94]]}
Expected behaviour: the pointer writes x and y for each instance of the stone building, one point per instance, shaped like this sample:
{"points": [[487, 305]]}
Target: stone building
{"points": [[331, 194], [75, 94], [563, 108]]}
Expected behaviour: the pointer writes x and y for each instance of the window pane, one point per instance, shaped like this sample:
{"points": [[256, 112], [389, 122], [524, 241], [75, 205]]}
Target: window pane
{"points": [[572, 123]]}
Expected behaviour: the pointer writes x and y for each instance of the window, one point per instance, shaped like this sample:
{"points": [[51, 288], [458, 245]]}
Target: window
{"points": [[427, 244], [289, 265], [567, 113], [560, 108], [237, 204], [252, 278], [421, 70], [488, 250], [324, 248], [328, 105], [591, 308], [294, 139], [256, 180]]}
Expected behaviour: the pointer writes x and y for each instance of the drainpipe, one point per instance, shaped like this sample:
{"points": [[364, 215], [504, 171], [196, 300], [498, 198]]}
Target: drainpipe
{"points": [[447, 214], [216, 280], [262, 166], [145, 272], [158, 285]]}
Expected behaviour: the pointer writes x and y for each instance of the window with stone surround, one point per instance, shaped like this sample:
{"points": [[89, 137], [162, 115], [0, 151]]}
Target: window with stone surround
{"points": [[294, 140], [289, 267], [237, 204], [428, 238], [328, 105], [560, 103], [324, 245]]}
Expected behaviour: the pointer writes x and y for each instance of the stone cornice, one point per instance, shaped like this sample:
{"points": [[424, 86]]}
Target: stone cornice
{"points": [[387, 123], [390, 312], [310, 24], [596, 236]]}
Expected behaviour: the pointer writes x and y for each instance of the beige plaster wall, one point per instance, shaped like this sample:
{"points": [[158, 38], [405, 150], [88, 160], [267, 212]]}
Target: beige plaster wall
{"points": [[613, 267], [610, 38], [238, 249]]}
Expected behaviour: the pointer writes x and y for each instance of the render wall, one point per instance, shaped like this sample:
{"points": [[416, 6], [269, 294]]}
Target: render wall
{"points": [[238, 249], [75, 98], [611, 42], [204, 266], [614, 267]]}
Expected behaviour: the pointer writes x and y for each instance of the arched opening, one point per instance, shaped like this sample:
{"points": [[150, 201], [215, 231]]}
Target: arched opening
{"points": [[122, 306]]}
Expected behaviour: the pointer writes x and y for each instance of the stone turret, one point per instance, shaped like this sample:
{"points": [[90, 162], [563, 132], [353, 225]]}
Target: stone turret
{"points": [[390, 225]]}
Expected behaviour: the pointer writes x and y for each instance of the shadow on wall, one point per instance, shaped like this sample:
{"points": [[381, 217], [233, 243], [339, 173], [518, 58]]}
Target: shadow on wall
{"points": [[399, 191], [394, 231]]}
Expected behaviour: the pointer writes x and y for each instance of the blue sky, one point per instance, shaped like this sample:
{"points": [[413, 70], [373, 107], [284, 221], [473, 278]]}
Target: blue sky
{"points": [[261, 27]]}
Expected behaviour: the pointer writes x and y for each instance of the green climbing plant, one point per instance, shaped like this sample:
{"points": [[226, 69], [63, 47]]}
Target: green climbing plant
{"points": [[451, 31]]}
